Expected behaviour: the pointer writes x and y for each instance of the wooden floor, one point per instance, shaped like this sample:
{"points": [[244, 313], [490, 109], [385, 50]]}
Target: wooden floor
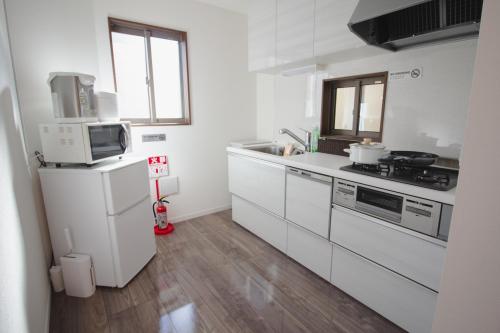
{"points": [[212, 275]]}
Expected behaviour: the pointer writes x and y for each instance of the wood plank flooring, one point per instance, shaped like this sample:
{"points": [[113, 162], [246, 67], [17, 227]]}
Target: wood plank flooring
{"points": [[211, 275]]}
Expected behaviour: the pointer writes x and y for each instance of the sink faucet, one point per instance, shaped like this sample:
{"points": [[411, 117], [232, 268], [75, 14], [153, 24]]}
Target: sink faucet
{"points": [[306, 142]]}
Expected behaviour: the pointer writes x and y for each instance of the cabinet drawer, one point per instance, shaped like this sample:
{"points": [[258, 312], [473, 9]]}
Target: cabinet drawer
{"points": [[400, 300], [311, 250], [258, 181], [126, 186], [308, 202], [263, 224], [411, 256]]}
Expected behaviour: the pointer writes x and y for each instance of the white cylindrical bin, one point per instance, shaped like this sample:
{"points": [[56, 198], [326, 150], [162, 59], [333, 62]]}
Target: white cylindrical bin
{"points": [[78, 274], [57, 278]]}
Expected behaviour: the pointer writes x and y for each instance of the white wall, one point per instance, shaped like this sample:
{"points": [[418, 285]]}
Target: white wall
{"points": [[222, 95], [469, 297], [59, 37], [426, 114], [24, 288], [73, 36]]}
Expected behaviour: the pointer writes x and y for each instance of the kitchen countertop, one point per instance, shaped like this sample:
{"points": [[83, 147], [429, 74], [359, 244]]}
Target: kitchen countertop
{"points": [[329, 165]]}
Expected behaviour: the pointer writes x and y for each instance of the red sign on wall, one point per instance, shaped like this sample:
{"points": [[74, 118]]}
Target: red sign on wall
{"points": [[158, 166]]}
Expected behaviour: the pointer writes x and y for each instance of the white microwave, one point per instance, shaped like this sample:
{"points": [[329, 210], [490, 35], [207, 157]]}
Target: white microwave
{"points": [[84, 143]]}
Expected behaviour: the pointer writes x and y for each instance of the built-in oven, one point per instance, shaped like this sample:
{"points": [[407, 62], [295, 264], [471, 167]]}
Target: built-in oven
{"points": [[382, 204], [421, 215]]}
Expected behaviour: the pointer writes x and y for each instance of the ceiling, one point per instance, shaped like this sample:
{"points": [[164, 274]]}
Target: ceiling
{"points": [[240, 6]]}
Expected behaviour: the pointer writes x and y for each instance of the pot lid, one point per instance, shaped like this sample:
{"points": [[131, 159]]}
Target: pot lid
{"points": [[371, 145]]}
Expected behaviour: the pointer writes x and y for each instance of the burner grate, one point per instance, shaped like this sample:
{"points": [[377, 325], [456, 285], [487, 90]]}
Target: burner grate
{"points": [[424, 176]]}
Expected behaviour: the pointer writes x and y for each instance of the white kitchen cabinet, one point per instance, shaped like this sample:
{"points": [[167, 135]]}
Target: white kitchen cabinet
{"points": [[258, 181], [308, 200], [416, 258], [400, 300], [261, 34], [309, 249], [267, 226], [331, 33], [287, 31], [295, 30]]}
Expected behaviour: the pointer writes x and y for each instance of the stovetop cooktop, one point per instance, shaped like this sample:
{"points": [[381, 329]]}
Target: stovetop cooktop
{"points": [[435, 178]]}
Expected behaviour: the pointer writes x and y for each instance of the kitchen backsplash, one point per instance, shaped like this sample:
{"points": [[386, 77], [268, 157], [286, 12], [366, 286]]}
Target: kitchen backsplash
{"points": [[424, 114]]}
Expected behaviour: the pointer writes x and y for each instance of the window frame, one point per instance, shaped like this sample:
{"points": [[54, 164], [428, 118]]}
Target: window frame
{"points": [[147, 31], [329, 101]]}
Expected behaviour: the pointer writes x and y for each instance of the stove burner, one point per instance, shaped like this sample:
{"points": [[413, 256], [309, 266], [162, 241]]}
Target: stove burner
{"points": [[425, 176]]}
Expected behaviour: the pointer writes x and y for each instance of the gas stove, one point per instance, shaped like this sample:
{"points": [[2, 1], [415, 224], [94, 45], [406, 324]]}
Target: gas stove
{"points": [[436, 178]]}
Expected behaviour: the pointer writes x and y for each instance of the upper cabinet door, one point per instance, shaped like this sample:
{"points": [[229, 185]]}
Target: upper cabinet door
{"points": [[331, 32], [295, 30], [261, 34]]}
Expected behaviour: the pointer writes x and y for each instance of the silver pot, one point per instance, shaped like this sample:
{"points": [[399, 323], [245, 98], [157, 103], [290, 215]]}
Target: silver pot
{"points": [[366, 153]]}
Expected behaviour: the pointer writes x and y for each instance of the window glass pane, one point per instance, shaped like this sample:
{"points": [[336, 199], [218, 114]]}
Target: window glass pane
{"points": [[344, 108], [167, 78], [370, 109], [130, 69]]}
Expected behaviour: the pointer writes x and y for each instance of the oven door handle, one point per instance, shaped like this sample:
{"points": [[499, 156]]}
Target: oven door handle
{"points": [[310, 175]]}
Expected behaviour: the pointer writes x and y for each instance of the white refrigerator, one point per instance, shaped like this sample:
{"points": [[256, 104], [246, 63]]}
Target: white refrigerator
{"points": [[104, 211]]}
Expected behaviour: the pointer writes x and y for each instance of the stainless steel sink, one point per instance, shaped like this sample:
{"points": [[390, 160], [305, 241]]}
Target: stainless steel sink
{"points": [[275, 150]]}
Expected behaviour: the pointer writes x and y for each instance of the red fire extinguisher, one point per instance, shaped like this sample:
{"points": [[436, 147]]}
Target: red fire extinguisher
{"points": [[162, 226], [160, 213]]}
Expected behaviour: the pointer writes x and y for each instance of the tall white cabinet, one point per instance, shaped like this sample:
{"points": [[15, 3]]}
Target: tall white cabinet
{"points": [[103, 211], [331, 33], [295, 30], [262, 34]]}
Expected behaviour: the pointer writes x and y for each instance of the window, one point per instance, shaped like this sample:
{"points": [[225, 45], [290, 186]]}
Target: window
{"points": [[354, 107], [151, 73]]}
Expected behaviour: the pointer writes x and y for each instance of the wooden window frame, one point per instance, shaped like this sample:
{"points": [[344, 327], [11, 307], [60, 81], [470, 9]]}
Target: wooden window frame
{"points": [[329, 101], [147, 31]]}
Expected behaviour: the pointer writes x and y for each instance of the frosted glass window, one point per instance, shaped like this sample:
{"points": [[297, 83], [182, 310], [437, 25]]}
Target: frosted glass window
{"points": [[167, 78], [353, 107], [131, 77], [344, 108], [370, 109]]}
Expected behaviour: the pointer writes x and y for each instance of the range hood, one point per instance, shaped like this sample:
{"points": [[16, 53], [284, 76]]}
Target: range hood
{"points": [[396, 24]]}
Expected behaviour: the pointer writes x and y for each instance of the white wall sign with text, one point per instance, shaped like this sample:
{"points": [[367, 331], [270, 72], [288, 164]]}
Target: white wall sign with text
{"points": [[410, 74], [158, 166]]}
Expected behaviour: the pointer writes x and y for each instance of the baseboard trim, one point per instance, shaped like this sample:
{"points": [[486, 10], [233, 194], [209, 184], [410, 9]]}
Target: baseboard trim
{"points": [[47, 314], [199, 213]]}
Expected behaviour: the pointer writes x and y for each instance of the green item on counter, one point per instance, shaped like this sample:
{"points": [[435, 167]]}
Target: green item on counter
{"points": [[314, 139]]}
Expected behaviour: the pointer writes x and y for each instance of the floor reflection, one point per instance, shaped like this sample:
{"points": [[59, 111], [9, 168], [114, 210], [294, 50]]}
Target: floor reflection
{"points": [[184, 318]]}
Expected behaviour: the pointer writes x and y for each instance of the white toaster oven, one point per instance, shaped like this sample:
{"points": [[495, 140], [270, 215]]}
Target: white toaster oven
{"points": [[84, 143]]}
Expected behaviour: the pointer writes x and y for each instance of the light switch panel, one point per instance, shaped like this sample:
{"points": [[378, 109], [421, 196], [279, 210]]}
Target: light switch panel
{"points": [[154, 137]]}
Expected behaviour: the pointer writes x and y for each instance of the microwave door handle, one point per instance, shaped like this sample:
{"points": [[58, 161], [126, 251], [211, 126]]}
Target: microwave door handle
{"points": [[126, 138]]}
